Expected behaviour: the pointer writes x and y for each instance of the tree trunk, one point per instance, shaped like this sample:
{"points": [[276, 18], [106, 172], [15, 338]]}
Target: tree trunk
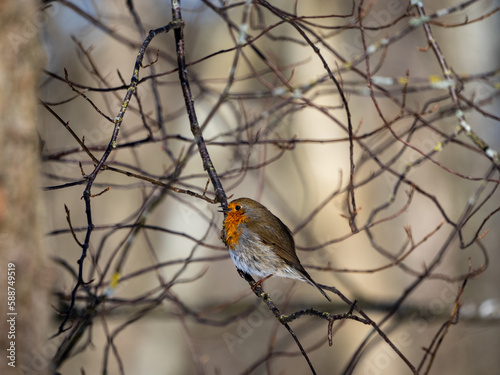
{"points": [[24, 279]]}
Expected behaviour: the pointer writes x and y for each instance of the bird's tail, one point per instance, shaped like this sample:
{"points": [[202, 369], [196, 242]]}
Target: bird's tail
{"points": [[309, 280]]}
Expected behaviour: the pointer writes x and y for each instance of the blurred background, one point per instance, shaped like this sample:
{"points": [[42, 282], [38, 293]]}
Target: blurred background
{"points": [[400, 222]]}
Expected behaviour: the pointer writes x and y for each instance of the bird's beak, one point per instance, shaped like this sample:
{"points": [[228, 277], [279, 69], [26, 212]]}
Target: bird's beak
{"points": [[224, 209]]}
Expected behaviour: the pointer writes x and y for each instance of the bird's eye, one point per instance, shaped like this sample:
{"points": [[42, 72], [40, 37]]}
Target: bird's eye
{"points": [[237, 207]]}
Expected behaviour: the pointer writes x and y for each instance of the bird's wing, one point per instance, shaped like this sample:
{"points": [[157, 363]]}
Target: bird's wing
{"points": [[274, 232], [283, 241]]}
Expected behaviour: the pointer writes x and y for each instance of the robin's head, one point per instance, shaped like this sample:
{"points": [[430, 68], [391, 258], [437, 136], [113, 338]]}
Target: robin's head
{"points": [[246, 207]]}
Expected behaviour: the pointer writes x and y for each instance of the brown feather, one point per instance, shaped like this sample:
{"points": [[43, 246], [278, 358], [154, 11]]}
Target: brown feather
{"points": [[273, 232]]}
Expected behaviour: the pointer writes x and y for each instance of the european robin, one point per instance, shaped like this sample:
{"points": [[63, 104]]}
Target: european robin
{"points": [[260, 244]]}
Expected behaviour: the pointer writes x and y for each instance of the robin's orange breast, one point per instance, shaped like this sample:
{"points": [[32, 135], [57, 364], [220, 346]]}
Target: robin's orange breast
{"points": [[233, 229]]}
